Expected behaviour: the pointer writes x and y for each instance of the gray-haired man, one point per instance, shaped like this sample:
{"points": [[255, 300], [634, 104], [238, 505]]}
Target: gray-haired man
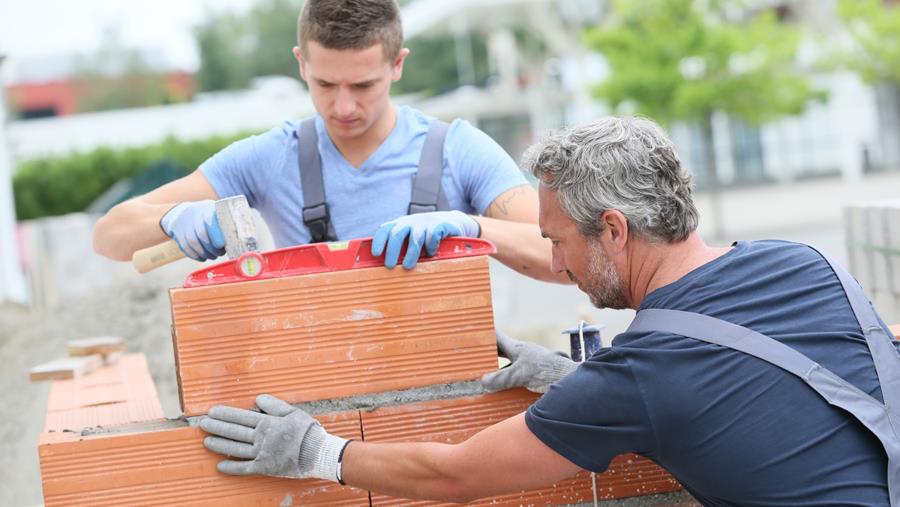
{"points": [[740, 415]]}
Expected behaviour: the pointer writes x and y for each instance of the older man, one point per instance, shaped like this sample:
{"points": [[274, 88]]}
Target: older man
{"points": [[757, 374]]}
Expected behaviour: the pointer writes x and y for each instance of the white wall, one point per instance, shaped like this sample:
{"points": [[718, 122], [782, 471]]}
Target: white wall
{"points": [[262, 108], [12, 281]]}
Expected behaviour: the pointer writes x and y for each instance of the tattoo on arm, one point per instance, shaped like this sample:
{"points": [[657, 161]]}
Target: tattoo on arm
{"points": [[502, 206]]}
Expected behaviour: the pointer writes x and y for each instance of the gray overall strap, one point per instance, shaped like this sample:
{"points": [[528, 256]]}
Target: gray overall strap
{"points": [[426, 192], [881, 343], [836, 391], [315, 210]]}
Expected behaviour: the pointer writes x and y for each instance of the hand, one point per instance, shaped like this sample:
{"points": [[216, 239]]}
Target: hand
{"points": [[532, 367], [193, 225], [280, 440], [422, 229]]}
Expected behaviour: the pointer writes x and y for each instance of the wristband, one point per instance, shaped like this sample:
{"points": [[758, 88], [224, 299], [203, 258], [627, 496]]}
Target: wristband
{"points": [[340, 464]]}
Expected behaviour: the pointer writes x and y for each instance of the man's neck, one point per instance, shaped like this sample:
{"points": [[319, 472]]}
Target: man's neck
{"points": [[356, 150], [658, 265]]}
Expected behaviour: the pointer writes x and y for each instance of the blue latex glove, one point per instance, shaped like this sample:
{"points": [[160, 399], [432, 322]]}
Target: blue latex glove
{"points": [[421, 229], [194, 226]]}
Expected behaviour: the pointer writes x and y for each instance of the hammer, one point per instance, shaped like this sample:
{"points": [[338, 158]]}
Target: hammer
{"points": [[236, 222]]}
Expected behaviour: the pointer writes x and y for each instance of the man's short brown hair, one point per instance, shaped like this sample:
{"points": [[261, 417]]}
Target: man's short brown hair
{"points": [[351, 24]]}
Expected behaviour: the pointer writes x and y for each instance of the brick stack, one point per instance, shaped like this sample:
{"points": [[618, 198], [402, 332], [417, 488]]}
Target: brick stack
{"points": [[873, 247], [375, 354]]}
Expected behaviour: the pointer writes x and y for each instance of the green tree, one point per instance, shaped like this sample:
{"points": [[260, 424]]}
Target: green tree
{"points": [[225, 50], [683, 60], [432, 68], [234, 49], [273, 31], [875, 27]]}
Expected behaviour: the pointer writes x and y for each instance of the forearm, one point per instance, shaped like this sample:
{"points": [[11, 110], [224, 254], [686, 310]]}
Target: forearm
{"points": [[129, 227], [408, 470], [521, 247], [502, 458]]}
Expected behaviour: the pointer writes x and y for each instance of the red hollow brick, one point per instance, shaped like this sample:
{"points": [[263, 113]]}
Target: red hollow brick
{"points": [[171, 467], [331, 335], [111, 395]]}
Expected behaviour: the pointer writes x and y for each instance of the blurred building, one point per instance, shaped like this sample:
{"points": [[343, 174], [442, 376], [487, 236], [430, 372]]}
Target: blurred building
{"points": [[66, 95], [67, 84], [853, 133]]}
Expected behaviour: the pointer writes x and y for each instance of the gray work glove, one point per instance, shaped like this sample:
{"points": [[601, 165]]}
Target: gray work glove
{"points": [[532, 367], [280, 440]]}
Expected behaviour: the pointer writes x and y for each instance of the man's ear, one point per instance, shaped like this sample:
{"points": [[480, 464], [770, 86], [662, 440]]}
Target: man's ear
{"points": [[298, 55], [397, 67], [615, 225]]}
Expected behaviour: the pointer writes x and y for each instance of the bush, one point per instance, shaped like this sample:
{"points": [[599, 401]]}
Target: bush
{"points": [[60, 185]]}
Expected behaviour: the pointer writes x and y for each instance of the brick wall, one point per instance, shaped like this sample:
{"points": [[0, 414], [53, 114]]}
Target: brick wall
{"points": [[341, 338]]}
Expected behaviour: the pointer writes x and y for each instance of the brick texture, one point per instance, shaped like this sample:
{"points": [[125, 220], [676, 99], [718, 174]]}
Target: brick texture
{"points": [[451, 421], [332, 335], [121, 393], [171, 467]]}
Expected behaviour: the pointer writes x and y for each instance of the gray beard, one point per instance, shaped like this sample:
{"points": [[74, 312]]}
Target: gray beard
{"points": [[604, 286]]}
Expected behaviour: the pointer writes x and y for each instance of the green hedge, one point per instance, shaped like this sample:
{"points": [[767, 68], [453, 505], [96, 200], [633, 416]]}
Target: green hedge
{"points": [[59, 185]]}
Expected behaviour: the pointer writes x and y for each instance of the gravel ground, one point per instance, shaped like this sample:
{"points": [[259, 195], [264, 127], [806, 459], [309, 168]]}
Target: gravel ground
{"points": [[137, 311]]}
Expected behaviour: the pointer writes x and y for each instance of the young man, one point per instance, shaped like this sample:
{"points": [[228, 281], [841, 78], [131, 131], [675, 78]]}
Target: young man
{"points": [[756, 374], [349, 171]]}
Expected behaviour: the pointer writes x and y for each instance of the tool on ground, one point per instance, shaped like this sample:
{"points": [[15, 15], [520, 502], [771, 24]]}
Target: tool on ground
{"points": [[584, 340], [319, 258], [236, 222]]}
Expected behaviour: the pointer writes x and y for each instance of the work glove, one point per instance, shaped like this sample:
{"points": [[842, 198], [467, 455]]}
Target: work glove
{"points": [[194, 226], [280, 440], [532, 367], [421, 229]]}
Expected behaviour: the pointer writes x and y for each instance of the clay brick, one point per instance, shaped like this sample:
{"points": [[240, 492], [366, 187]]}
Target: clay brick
{"points": [[332, 335], [111, 395], [451, 421], [103, 345], [65, 368], [171, 467]]}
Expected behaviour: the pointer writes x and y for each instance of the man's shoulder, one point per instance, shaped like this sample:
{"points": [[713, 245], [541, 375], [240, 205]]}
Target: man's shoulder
{"points": [[276, 140], [458, 127]]}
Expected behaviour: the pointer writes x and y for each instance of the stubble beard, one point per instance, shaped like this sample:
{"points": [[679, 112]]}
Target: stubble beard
{"points": [[603, 286]]}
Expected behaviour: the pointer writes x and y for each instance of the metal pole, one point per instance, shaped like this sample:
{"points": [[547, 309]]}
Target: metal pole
{"points": [[12, 279]]}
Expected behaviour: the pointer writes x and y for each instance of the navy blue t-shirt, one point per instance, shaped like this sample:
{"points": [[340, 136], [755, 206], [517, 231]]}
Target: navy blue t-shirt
{"points": [[733, 429]]}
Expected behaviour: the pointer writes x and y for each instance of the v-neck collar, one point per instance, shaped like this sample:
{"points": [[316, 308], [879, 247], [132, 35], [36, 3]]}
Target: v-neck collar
{"points": [[374, 160]]}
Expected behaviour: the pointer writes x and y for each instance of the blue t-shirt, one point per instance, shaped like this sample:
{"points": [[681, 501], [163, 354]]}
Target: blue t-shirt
{"points": [[265, 169], [733, 429]]}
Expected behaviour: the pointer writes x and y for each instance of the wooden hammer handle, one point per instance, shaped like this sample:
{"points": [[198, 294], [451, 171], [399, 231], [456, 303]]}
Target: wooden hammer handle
{"points": [[156, 256]]}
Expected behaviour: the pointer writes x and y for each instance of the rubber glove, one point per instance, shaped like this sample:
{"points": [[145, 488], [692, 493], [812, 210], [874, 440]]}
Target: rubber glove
{"points": [[194, 226], [280, 440], [421, 229], [532, 367]]}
